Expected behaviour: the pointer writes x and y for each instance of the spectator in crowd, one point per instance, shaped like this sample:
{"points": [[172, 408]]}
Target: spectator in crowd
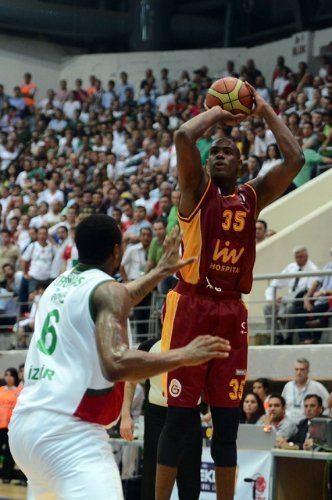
{"points": [[289, 305], [132, 235], [253, 166], [156, 246], [172, 218], [36, 262], [8, 397], [263, 138], [310, 140], [133, 265], [28, 91], [123, 86], [313, 408], [59, 245], [273, 157], [261, 228], [316, 302], [24, 328], [63, 91], [295, 390], [280, 65], [277, 419], [262, 89], [252, 409], [261, 387], [3, 98], [146, 201], [312, 159], [128, 457], [17, 101], [9, 253]]}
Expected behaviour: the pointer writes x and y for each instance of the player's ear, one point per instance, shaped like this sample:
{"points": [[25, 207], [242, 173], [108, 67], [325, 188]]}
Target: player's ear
{"points": [[117, 253]]}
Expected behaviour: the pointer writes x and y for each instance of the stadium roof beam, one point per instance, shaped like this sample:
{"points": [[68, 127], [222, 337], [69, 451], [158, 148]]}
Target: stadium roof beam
{"points": [[198, 7], [261, 35], [298, 15], [61, 20]]}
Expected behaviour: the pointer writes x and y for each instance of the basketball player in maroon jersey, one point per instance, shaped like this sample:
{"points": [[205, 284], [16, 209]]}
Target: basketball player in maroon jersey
{"points": [[217, 220]]}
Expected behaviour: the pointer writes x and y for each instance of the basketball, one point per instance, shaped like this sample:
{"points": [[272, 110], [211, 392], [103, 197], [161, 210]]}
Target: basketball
{"points": [[231, 94]]}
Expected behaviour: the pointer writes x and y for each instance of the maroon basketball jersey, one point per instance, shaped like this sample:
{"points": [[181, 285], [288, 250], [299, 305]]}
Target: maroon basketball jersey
{"points": [[221, 233]]}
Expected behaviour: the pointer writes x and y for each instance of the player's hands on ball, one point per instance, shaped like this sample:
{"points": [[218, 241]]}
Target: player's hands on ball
{"points": [[204, 348], [170, 261], [260, 103], [229, 119]]}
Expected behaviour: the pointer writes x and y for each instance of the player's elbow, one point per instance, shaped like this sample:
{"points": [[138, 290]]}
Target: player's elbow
{"points": [[182, 135], [112, 373], [296, 160]]}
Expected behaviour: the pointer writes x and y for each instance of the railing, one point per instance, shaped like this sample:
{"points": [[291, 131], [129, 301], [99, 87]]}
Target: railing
{"points": [[259, 332], [257, 320]]}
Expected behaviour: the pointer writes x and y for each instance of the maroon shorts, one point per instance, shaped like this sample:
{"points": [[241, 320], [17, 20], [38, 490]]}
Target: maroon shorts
{"points": [[220, 382]]}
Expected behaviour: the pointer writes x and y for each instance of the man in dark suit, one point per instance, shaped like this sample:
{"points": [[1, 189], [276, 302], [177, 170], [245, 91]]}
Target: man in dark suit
{"points": [[313, 408]]}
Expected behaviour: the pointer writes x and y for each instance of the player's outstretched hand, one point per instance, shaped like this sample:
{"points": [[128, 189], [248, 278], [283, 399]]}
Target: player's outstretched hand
{"points": [[204, 348], [170, 261]]}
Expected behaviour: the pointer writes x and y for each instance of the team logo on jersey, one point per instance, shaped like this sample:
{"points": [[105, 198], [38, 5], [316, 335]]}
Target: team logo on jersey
{"points": [[224, 252], [244, 330], [175, 388]]}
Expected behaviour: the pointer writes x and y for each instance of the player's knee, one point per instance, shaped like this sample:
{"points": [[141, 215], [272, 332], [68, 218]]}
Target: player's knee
{"points": [[223, 445], [181, 423]]}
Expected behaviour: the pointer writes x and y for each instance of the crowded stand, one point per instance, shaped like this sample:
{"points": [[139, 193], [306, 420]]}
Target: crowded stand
{"points": [[107, 147]]}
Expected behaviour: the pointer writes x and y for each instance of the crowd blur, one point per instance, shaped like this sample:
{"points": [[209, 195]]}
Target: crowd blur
{"points": [[107, 147]]}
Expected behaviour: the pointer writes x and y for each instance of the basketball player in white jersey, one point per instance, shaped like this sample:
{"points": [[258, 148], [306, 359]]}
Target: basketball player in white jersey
{"points": [[77, 361]]}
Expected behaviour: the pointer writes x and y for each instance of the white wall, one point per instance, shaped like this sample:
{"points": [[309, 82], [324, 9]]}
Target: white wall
{"points": [[108, 66], [49, 62], [41, 59], [264, 361], [299, 203]]}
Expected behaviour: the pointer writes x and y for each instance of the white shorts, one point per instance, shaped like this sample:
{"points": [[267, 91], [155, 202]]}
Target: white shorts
{"points": [[64, 456]]}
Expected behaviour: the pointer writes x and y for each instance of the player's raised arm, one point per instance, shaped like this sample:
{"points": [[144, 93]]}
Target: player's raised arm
{"points": [[275, 182]]}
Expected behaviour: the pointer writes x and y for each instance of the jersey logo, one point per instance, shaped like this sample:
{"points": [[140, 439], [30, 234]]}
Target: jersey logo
{"points": [[225, 254], [175, 388]]}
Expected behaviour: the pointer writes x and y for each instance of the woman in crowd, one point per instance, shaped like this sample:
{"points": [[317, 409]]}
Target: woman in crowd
{"points": [[272, 158], [252, 409], [261, 387]]}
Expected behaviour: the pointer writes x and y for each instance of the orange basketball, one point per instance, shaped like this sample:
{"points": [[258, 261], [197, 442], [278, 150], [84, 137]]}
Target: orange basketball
{"points": [[231, 94]]}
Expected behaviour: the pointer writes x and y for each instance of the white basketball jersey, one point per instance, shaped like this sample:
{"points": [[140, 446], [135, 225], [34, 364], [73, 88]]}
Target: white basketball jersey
{"points": [[62, 369]]}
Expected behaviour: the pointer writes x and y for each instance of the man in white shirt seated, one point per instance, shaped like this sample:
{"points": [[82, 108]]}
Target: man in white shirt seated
{"points": [[288, 305], [296, 390]]}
